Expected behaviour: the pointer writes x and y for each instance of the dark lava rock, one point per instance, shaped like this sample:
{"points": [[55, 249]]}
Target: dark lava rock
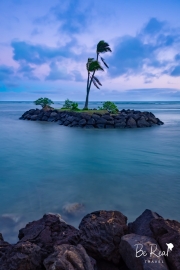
{"points": [[95, 116], [108, 117], [89, 126], [49, 231], [60, 122], [101, 120], [168, 232], [141, 225], [100, 125], [120, 125], [66, 123], [68, 257], [142, 122], [131, 123], [34, 117], [110, 122], [70, 118], [91, 121], [109, 126], [22, 256], [53, 114], [100, 234], [85, 116], [44, 118], [132, 243], [82, 122]]}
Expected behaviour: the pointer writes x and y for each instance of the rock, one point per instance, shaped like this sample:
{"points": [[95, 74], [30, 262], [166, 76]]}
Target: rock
{"points": [[159, 122], [141, 225], [89, 126], [168, 231], [131, 123], [100, 234], [101, 120], [120, 125], [70, 119], [91, 121], [72, 208], [44, 118], [74, 124], [53, 114], [82, 122], [49, 231], [109, 126], [51, 119], [152, 119], [66, 123], [85, 116], [131, 247], [95, 116], [68, 257], [142, 122], [22, 256], [108, 117], [110, 122], [100, 125]]}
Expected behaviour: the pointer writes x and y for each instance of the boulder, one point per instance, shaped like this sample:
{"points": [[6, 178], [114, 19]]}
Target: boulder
{"points": [[109, 126], [131, 123], [70, 118], [100, 233], [142, 122], [34, 117], [85, 116], [108, 117], [74, 124], [89, 126], [168, 232], [100, 125], [141, 225], [66, 123], [49, 231], [44, 118], [82, 122], [95, 116], [110, 122], [137, 253], [101, 120], [91, 121], [120, 125], [22, 256], [60, 122], [69, 257], [53, 114]]}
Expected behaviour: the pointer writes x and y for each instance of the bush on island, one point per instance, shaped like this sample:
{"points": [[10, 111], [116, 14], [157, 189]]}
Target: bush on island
{"points": [[109, 106], [70, 105], [44, 102]]}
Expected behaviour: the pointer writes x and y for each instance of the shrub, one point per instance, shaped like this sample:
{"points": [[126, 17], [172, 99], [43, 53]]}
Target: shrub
{"points": [[67, 104], [43, 102], [109, 106], [70, 105]]}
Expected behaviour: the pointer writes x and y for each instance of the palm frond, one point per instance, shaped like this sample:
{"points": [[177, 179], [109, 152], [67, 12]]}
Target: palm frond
{"points": [[103, 47], [96, 84], [96, 79], [104, 62], [90, 60], [94, 65]]}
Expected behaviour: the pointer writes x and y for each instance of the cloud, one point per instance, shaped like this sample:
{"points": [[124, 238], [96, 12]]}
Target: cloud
{"points": [[6, 72], [38, 54], [27, 71], [175, 72], [139, 55]]}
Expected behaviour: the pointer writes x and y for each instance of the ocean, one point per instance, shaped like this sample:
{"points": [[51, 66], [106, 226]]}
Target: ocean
{"points": [[44, 167]]}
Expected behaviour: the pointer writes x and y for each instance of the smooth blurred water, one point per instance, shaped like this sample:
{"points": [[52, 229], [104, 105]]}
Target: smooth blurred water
{"points": [[44, 166]]}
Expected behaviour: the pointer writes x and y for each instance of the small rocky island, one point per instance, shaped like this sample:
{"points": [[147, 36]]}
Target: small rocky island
{"points": [[122, 119], [104, 241]]}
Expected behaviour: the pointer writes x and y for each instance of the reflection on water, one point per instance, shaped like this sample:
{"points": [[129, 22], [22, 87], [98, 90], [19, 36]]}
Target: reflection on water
{"points": [[45, 166]]}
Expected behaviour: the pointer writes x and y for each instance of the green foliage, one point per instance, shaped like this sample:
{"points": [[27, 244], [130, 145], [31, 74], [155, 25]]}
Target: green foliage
{"points": [[93, 65], [103, 47], [67, 104], [70, 105], [74, 106], [109, 106], [43, 102]]}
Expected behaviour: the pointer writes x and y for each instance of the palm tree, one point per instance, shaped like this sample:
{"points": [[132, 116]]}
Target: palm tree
{"points": [[93, 66]]}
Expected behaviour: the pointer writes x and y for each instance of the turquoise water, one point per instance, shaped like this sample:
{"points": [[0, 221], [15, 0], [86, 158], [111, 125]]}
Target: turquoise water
{"points": [[44, 166]]}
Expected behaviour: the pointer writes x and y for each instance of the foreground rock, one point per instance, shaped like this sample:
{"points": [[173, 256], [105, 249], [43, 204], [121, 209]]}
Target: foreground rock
{"points": [[69, 257], [123, 119], [21, 256], [168, 232], [141, 225], [49, 231], [100, 234], [131, 247]]}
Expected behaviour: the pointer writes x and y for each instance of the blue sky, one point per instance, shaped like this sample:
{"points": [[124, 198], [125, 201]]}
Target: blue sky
{"points": [[45, 44]]}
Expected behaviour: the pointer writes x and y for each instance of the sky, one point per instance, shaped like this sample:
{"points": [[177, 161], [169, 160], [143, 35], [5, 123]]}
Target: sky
{"points": [[45, 44]]}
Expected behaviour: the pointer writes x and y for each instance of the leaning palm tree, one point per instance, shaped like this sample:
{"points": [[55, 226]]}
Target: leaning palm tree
{"points": [[93, 66]]}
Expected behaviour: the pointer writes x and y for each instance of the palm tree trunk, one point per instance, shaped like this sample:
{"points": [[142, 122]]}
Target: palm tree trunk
{"points": [[87, 94]]}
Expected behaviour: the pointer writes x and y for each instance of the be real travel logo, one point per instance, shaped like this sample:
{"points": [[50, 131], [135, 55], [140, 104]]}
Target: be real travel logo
{"points": [[155, 254]]}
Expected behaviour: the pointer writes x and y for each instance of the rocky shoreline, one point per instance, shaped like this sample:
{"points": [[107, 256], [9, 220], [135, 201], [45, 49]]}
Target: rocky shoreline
{"points": [[123, 119], [104, 241]]}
